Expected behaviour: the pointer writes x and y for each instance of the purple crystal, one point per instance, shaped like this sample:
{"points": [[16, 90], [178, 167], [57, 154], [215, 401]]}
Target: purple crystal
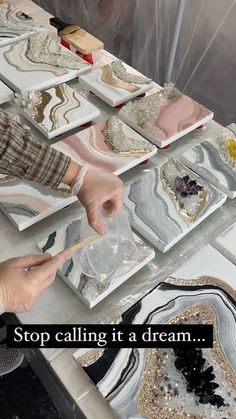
{"points": [[187, 187]]}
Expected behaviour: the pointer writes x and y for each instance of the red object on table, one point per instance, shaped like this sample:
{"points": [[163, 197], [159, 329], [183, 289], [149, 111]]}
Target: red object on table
{"points": [[86, 57], [164, 148], [87, 124], [120, 106], [144, 162], [142, 95], [65, 44]]}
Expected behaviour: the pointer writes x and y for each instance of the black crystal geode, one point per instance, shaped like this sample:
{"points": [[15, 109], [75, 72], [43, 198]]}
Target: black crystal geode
{"points": [[199, 380]]}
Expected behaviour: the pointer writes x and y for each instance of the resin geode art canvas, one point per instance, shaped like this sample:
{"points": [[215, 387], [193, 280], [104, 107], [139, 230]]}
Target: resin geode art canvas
{"points": [[25, 203], [116, 83], [109, 145], [38, 63], [167, 202], [215, 160], [6, 94], [16, 25], [167, 383], [87, 288], [56, 110], [165, 116]]}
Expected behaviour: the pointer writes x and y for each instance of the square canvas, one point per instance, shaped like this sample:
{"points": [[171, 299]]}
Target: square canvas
{"points": [[161, 382], [38, 63], [226, 243], [167, 202], [16, 25], [56, 110], [215, 160], [165, 116], [6, 94], [110, 145], [25, 203], [116, 83], [84, 286]]}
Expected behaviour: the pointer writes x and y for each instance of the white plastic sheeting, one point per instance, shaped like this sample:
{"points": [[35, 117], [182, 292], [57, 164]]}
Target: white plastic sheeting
{"points": [[141, 32]]}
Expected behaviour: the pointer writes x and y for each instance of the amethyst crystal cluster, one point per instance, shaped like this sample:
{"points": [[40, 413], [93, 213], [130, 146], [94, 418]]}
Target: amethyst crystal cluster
{"points": [[187, 187], [199, 380]]}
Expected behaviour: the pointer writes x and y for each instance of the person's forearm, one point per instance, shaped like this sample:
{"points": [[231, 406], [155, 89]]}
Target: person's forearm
{"points": [[22, 156]]}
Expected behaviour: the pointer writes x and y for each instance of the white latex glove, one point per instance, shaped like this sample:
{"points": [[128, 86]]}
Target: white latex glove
{"points": [[99, 192], [23, 279]]}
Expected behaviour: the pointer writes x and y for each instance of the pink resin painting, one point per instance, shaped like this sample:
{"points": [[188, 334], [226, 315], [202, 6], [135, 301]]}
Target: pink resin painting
{"points": [[165, 116], [109, 145]]}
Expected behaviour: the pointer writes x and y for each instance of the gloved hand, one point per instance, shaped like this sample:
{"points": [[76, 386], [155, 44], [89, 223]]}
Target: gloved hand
{"points": [[23, 279], [99, 192]]}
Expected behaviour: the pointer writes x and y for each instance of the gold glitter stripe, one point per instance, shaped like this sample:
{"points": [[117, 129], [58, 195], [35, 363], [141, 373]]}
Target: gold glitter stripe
{"points": [[202, 280], [108, 79]]}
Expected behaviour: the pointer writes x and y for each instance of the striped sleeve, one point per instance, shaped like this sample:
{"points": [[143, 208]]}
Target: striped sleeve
{"points": [[21, 155]]}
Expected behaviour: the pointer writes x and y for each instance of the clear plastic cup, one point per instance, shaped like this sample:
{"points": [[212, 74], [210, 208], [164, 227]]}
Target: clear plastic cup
{"points": [[113, 254]]}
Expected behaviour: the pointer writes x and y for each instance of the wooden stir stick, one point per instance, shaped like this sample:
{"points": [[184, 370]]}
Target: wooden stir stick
{"points": [[83, 243]]}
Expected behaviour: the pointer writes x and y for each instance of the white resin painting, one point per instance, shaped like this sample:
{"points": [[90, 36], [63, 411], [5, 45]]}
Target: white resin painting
{"points": [[25, 203], [215, 160], [38, 63], [110, 145], [157, 383], [16, 25], [89, 291], [116, 83], [226, 243], [6, 94], [56, 110], [167, 202], [165, 116]]}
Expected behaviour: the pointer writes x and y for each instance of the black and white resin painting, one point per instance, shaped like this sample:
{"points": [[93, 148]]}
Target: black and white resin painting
{"points": [[215, 160], [84, 286], [167, 383], [167, 202]]}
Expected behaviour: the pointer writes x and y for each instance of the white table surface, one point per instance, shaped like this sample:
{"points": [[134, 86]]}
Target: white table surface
{"points": [[59, 304]]}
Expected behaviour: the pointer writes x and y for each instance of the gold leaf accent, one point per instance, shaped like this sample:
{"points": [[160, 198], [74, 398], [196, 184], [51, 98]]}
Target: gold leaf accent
{"points": [[185, 214], [202, 280]]}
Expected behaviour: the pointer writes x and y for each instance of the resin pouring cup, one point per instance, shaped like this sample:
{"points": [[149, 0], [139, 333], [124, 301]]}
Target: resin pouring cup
{"points": [[111, 255]]}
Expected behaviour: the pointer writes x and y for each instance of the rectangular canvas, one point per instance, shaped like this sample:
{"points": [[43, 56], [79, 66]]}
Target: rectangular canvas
{"points": [[56, 110], [215, 160], [6, 94], [175, 383], [84, 286], [116, 83], [16, 25], [165, 116], [110, 145], [226, 243], [38, 63], [167, 202], [25, 203]]}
